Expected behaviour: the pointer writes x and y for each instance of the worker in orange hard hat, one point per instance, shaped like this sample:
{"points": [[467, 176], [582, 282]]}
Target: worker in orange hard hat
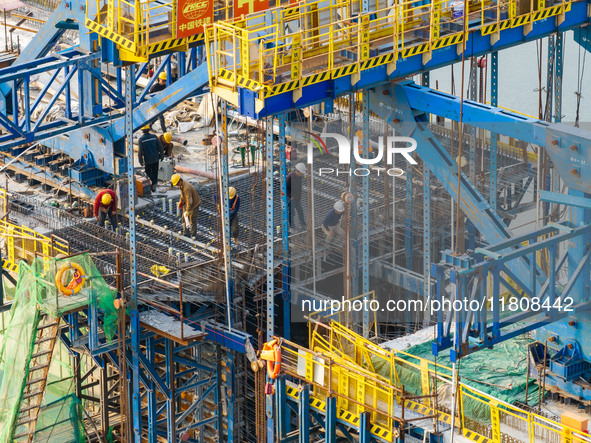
{"points": [[159, 86], [166, 142], [105, 205]]}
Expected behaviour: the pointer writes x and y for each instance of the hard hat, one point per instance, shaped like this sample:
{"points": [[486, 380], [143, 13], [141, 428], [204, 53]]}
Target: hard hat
{"points": [[146, 128], [232, 192], [301, 167], [167, 137], [461, 161], [162, 76], [339, 206], [175, 179], [106, 199]]}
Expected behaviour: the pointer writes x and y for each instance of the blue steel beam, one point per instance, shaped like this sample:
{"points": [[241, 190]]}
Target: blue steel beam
{"points": [[286, 266], [476, 45], [365, 212], [391, 104]]}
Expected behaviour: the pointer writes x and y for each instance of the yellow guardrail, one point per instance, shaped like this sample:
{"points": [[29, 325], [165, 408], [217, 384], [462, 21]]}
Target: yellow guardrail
{"points": [[288, 47], [144, 27], [495, 421], [24, 243], [355, 389]]}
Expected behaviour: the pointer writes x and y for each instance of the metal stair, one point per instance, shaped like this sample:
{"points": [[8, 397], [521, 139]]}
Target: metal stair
{"points": [[34, 390]]}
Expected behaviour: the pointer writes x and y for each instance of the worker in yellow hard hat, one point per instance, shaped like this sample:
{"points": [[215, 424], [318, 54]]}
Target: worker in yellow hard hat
{"points": [[189, 203], [105, 205], [234, 207], [159, 86], [166, 142]]}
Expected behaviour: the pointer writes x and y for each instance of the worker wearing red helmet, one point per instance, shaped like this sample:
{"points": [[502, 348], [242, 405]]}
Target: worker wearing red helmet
{"points": [[105, 205]]}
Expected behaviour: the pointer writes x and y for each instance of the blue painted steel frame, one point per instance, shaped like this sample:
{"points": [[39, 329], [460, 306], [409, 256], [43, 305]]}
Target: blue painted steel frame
{"points": [[134, 314], [270, 265], [286, 274]]}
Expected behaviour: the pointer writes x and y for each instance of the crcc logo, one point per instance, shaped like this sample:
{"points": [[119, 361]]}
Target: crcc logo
{"points": [[389, 148]]}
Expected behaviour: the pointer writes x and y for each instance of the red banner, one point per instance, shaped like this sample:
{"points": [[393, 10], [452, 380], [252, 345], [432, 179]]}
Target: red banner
{"points": [[243, 7], [192, 15]]}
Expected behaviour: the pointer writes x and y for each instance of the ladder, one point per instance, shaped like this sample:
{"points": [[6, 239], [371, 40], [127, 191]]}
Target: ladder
{"points": [[26, 420]]}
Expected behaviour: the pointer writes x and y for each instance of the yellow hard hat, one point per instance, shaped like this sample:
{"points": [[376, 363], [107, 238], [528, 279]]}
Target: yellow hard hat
{"points": [[232, 192], [167, 137], [162, 76], [146, 128], [175, 179], [106, 199]]}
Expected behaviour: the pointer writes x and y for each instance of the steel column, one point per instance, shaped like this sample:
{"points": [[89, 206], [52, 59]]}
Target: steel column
{"points": [[170, 401], [270, 259], [426, 226], [364, 434], [225, 212], [365, 213], [559, 45], [134, 314], [286, 281], [494, 96], [151, 395], [304, 414], [330, 425]]}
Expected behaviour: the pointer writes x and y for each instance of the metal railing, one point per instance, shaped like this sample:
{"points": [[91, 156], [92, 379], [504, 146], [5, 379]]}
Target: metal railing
{"points": [[337, 346], [291, 46]]}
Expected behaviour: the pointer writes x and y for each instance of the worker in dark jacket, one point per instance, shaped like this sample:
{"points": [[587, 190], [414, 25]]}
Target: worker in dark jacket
{"points": [[234, 207], [159, 86], [294, 193], [105, 205], [150, 153], [189, 202], [331, 225], [166, 142]]}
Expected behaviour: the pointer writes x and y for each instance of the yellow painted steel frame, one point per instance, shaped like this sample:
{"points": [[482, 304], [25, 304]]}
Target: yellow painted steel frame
{"points": [[140, 28], [23, 243], [299, 50], [356, 390], [341, 346]]}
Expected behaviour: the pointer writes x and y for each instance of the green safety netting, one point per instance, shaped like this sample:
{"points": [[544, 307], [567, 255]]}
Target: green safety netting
{"points": [[499, 372], [35, 294], [61, 421]]}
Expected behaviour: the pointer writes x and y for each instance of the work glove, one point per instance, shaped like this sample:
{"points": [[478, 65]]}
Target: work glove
{"points": [[187, 221]]}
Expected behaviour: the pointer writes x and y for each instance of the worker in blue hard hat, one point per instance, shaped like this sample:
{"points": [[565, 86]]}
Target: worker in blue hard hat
{"points": [[149, 155], [159, 86]]}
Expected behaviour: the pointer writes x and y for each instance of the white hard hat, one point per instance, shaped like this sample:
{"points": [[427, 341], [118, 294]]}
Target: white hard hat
{"points": [[339, 206], [301, 167]]}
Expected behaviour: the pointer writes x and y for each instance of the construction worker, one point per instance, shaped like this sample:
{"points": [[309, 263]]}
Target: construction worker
{"points": [[149, 155], [105, 205], [189, 202], [234, 207], [159, 86], [166, 142], [294, 193], [331, 225]]}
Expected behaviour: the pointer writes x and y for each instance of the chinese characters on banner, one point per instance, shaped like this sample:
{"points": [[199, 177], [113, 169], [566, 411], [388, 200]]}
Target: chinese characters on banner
{"points": [[192, 15], [249, 6]]}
